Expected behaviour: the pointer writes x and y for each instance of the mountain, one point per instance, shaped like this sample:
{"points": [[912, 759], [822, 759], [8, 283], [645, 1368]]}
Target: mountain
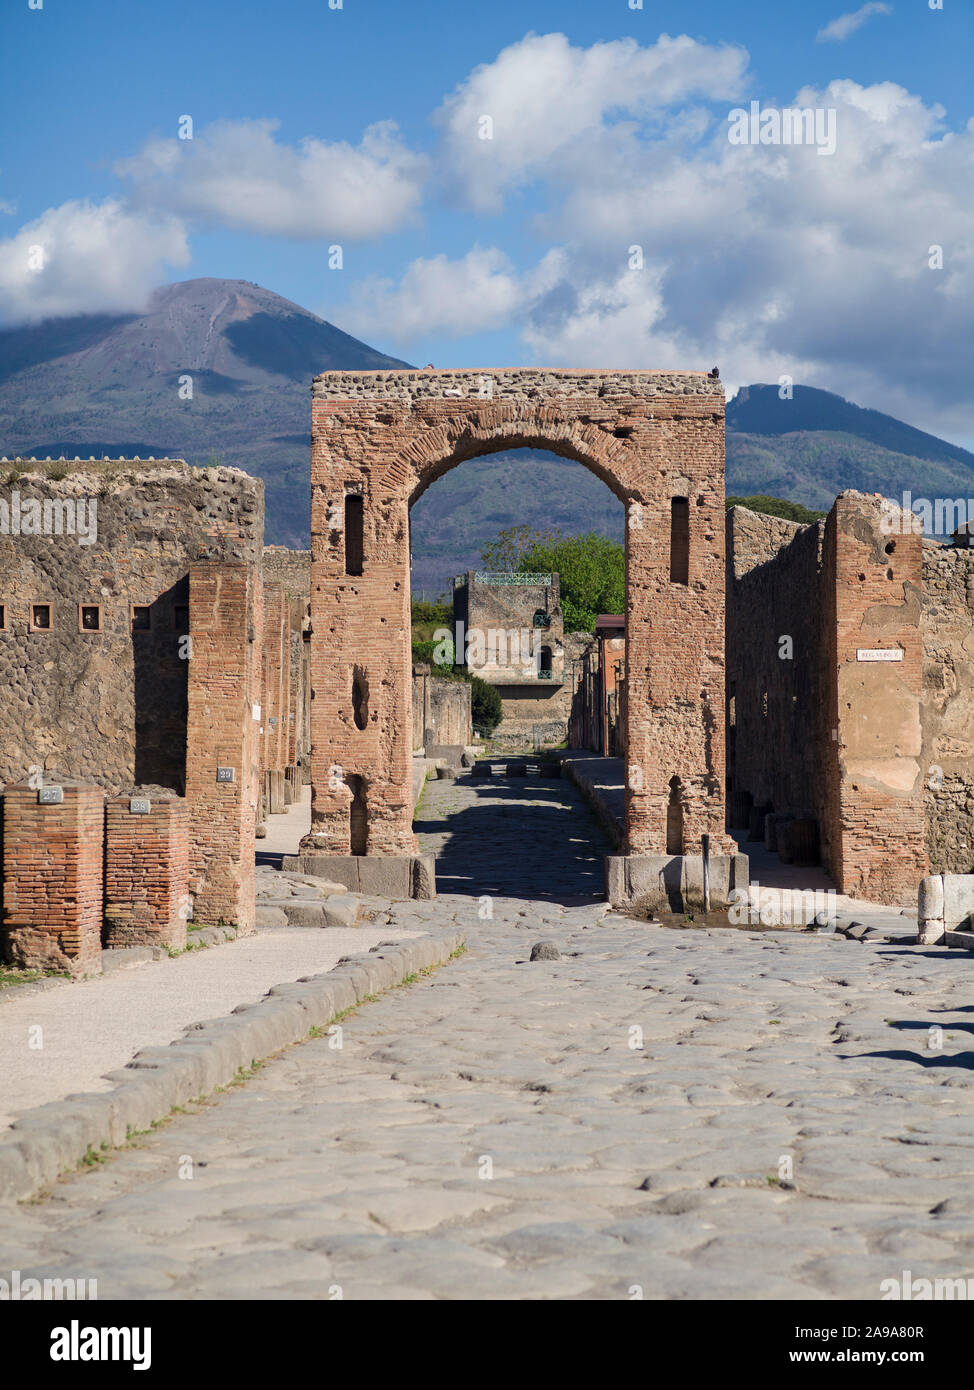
{"points": [[464, 510], [811, 447], [110, 383]]}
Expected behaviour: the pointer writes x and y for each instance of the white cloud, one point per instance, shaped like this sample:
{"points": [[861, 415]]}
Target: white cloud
{"points": [[838, 30], [235, 173], [479, 292], [766, 260], [86, 257], [772, 260], [548, 105]]}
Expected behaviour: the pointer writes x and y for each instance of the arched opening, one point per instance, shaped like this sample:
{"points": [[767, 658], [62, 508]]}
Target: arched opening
{"points": [[486, 533], [486, 538], [652, 437]]}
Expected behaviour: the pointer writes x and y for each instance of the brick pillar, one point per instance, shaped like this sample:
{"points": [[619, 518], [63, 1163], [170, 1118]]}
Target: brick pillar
{"points": [[295, 644], [360, 626], [224, 686], [674, 707], [52, 878], [146, 872], [872, 562], [275, 620]]}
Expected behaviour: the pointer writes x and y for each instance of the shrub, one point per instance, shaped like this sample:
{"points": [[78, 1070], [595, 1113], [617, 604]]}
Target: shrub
{"points": [[485, 706]]}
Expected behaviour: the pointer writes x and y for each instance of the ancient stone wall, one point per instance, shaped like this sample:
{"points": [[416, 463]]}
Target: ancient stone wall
{"points": [[824, 681], [947, 710], [380, 438], [222, 789], [778, 725], [290, 571], [876, 781], [441, 710], [99, 692]]}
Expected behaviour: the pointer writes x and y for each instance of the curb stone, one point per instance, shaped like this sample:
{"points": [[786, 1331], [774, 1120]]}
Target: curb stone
{"points": [[51, 1138]]}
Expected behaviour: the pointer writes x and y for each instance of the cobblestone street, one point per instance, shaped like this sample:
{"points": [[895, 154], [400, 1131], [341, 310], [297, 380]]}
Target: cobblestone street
{"points": [[690, 1114]]}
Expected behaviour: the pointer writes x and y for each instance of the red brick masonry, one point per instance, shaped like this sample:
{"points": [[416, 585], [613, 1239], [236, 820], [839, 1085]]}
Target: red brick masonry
{"points": [[652, 437], [146, 873], [52, 878]]}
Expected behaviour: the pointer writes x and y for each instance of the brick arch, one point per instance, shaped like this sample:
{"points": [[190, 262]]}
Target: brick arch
{"points": [[651, 437], [465, 437]]}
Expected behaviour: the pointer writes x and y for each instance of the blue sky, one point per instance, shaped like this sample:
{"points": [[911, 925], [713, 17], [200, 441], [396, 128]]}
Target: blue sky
{"points": [[517, 249]]}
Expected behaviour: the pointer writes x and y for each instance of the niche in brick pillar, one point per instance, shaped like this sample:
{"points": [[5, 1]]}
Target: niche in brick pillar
{"points": [[358, 815], [53, 841], [222, 753]]}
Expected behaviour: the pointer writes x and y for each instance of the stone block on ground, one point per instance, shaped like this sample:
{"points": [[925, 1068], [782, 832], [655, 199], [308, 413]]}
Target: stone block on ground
{"points": [[268, 915], [672, 882], [398, 877]]}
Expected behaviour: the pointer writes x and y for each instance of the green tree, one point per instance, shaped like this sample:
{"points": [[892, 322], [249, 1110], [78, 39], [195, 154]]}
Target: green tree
{"points": [[513, 544], [485, 706], [775, 506], [592, 575]]}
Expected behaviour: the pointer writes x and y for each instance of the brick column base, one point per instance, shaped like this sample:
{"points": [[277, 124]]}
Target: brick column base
{"points": [[52, 878], [146, 873]]}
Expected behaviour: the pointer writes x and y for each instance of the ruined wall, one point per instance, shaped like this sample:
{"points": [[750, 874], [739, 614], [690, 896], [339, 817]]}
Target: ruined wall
{"points": [[290, 570], [947, 709], [876, 778], [441, 710], [833, 730], [108, 705], [778, 725], [380, 438], [499, 613]]}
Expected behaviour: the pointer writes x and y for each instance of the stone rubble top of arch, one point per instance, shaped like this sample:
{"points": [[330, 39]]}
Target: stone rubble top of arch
{"points": [[503, 383]]}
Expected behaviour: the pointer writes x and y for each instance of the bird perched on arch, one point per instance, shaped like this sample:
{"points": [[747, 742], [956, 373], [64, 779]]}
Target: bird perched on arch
{"points": [[429, 367], [715, 373]]}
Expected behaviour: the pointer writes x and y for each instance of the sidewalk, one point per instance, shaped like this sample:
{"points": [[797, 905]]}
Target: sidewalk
{"points": [[600, 780], [97, 1025]]}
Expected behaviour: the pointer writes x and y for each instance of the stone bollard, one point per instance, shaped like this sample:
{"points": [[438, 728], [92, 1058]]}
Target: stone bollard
{"points": [[930, 910]]}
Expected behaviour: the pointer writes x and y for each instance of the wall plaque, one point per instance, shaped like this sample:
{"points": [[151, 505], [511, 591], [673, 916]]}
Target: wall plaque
{"points": [[879, 654]]}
